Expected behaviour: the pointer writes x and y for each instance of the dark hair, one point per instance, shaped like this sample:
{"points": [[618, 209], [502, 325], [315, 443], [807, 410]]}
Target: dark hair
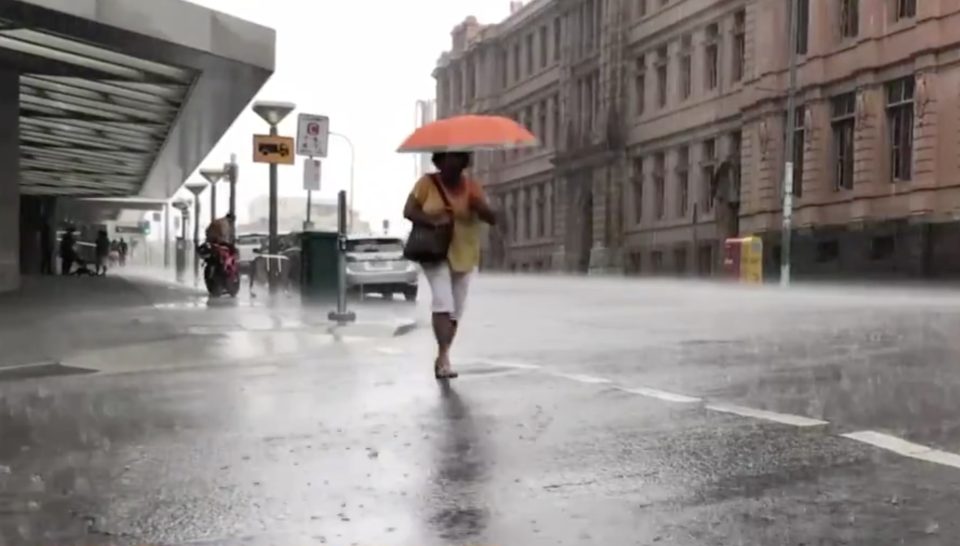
{"points": [[439, 157]]}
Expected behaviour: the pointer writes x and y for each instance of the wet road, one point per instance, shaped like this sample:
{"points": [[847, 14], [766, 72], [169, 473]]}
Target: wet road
{"points": [[587, 412]]}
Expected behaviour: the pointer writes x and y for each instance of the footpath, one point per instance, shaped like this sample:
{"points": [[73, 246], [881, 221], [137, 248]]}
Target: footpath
{"points": [[50, 318]]}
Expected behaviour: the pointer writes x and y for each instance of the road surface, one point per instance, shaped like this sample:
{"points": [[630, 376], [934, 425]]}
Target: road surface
{"points": [[587, 412]]}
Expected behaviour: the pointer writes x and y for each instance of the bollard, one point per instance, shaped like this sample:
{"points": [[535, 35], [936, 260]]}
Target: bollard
{"points": [[342, 315]]}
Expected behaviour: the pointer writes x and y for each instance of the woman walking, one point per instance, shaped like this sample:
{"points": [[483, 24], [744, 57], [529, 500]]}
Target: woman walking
{"points": [[450, 198]]}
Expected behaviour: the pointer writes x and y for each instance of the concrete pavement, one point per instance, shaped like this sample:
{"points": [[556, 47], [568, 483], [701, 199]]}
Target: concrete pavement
{"points": [[587, 412]]}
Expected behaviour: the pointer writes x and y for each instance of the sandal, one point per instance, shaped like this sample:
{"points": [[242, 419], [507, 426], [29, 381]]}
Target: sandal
{"points": [[441, 371]]}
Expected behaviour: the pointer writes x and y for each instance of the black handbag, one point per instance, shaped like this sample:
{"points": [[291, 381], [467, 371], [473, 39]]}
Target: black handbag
{"points": [[427, 243]]}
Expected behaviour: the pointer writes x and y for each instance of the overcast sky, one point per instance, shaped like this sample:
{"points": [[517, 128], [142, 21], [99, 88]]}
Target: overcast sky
{"points": [[364, 64]]}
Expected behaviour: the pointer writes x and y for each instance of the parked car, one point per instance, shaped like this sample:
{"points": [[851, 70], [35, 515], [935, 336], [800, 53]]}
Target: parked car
{"points": [[375, 265]]}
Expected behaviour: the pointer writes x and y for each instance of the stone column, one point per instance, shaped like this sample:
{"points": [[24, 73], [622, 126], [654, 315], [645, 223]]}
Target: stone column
{"points": [[10, 181]]}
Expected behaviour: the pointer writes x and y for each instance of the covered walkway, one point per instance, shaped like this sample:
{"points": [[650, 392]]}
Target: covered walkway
{"points": [[111, 99]]}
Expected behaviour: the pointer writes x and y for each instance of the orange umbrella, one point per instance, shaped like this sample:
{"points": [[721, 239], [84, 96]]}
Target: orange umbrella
{"points": [[467, 134]]}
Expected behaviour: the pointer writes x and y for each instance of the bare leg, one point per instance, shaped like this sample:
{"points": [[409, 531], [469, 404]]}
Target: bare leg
{"points": [[444, 330]]}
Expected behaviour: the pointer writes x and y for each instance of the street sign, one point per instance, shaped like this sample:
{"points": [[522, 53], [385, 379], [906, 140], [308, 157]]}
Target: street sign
{"points": [[277, 150], [313, 133], [311, 175]]}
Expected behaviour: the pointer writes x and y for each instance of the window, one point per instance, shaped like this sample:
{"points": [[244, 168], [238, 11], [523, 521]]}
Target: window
{"points": [[828, 251], [712, 57], [683, 181], [662, 60], [900, 127], [739, 45], [640, 86], [799, 135], [803, 26], [503, 61], [659, 169], [849, 18], [544, 47], [542, 122], [680, 260], [843, 124], [556, 121], [637, 180], [882, 247], [705, 259], [516, 62], [906, 9], [641, 8], [656, 261], [540, 205], [374, 245], [708, 164], [735, 139], [530, 57], [557, 39], [686, 86]]}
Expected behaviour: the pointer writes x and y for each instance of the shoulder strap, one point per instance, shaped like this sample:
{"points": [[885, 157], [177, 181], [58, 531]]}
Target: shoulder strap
{"points": [[435, 178]]}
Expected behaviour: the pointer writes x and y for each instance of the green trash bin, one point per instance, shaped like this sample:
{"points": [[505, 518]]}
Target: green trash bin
{"points": [[319, 274]]}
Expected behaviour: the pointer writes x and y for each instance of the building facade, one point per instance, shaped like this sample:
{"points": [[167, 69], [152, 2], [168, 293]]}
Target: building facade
{"points": [[663, 128]]}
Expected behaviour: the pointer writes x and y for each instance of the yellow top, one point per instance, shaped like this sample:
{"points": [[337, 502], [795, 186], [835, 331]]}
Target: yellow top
{"points": [[464, 253]]}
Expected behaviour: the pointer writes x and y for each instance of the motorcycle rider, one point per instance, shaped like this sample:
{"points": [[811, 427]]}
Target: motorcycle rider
{"points": [[220, 234]]}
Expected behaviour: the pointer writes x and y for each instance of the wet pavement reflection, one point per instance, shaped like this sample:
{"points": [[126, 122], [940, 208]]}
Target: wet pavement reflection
{"points": [[588, 411]]}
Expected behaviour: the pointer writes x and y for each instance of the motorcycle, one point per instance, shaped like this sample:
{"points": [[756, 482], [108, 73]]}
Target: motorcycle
{"points": [[221, 272]]}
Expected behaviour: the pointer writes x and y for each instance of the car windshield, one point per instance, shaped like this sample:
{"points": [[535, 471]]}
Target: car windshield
{"points": [[375, 245]]}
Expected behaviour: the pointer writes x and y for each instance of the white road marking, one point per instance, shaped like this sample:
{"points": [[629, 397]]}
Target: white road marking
{"points": [[589, 379], [662, 395], [505, 364], [905, 448], [390, 351], [783, 418]]}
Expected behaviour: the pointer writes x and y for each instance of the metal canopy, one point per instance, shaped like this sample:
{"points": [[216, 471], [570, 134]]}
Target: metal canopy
{"points": [[92, 120]]}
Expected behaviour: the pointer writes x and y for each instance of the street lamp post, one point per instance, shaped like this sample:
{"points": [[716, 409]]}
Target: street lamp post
{"points": [[353, 157], [196, 188], [212, 176], [180, 259], [273, 113], [786, 235]]}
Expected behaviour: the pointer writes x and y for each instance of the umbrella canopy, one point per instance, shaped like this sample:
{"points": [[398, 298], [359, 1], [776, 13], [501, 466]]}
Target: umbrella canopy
{"points": [[468, 134]]}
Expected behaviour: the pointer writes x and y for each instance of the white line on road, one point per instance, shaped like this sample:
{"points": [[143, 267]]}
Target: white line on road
{"points": [[662, 395], [506, 364], [783, 418], [589, 379], [905, 448]]}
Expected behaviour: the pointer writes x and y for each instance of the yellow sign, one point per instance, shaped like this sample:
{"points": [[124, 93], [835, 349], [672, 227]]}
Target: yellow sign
{"points": [[278, 150], [751, 260]]}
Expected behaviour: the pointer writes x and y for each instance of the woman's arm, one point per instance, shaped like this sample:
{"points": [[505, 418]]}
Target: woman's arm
{"points": [[480, 205]]}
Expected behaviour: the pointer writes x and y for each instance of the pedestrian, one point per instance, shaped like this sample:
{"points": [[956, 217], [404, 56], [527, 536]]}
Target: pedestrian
{"points": [[68, 251], [103, 252], [449, 197], [123, 248]]}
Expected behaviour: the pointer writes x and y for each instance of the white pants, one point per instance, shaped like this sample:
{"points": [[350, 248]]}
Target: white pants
{"points": [[448, 289]]}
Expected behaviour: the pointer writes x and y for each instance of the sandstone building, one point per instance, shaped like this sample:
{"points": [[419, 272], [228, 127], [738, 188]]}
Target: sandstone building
{"points": [[663, 130]]}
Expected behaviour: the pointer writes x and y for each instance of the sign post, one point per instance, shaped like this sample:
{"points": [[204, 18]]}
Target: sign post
{"points": [[311, 183], [313, 135]]}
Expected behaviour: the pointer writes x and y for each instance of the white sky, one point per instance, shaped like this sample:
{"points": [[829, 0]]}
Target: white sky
{"points": [[364, 64]]}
